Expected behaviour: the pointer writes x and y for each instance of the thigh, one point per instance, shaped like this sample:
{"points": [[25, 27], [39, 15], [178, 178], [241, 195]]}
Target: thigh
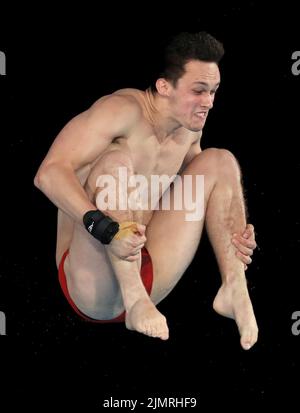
{"points": [[91, 281], [172, 240], [172, 243]]}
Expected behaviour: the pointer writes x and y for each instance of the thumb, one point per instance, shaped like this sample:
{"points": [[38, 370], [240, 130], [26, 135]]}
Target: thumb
{"points": [[141, 228], [248, 231]]}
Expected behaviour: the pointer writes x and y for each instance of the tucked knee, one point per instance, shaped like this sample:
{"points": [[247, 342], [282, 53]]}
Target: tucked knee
{"points": [[109, 165], [223, 160], [116, 159], [228, 162]]}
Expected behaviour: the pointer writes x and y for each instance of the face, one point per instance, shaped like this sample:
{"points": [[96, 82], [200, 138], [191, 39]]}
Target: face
{"points": [[194, 94]]}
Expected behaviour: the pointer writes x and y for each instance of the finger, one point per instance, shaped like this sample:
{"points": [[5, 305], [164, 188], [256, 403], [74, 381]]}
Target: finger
{"points": [[244, 258], [137, 240], [141, 228], [245, 267], [248, 243], [250, 227], [137, 250], [132, 258], [249, 232], [142, 239], [137, 243], [244, 250], [249, 236]]}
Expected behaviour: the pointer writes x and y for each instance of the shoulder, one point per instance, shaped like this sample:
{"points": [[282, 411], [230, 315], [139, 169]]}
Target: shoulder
{"points": [[120, 105], [129, 99]]}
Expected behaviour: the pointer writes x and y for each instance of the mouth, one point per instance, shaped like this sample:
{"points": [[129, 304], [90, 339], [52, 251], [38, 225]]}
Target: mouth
{"points": [[201, 115]]}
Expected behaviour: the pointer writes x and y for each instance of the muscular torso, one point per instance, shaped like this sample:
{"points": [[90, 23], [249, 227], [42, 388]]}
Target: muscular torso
{"points": [[150, 155]]}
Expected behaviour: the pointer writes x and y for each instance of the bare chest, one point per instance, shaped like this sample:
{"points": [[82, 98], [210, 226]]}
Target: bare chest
{"points": [[153, 158]]}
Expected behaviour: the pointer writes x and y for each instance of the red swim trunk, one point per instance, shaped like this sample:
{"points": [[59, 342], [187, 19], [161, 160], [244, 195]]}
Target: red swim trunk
{"points": [[146, 275]]}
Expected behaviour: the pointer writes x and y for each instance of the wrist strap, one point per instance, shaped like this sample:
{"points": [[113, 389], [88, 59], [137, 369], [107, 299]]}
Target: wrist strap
{"points": [[100, 226]]}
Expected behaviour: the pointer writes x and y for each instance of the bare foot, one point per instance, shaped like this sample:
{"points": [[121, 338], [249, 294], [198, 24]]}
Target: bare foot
{"points": [[233, 301], [145, 318]]}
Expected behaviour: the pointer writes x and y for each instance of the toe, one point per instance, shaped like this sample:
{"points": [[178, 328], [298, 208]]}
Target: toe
{"points": [[154, 332], [246, 345], [248, 339], [164, 335], [149, 330]]}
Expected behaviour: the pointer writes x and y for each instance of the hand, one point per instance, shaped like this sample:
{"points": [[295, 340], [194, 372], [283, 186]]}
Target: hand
{"points": [[128, 247], [245, 244]]}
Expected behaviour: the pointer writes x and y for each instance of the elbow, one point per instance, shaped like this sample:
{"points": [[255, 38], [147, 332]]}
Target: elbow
{"points": [[42, 176], [47, 175], [36, 182], [38, 179]]}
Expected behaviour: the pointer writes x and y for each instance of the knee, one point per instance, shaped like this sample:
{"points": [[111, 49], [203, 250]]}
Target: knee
{"points": [[116, 159], [222, 160], [108, 165]]}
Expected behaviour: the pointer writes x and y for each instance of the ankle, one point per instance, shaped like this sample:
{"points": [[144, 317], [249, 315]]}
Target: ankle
{"points": [[130, 299], [234, 280]]}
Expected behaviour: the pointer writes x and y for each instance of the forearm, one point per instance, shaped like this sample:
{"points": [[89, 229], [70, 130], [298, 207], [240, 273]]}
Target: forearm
{"points": [[61, 185]]}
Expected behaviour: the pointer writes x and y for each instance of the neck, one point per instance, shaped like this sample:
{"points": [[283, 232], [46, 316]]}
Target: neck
{"points": [[159, 115]]}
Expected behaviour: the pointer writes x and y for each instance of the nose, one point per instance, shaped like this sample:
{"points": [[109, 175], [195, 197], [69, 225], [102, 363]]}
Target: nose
{"points": [[207, 100]]}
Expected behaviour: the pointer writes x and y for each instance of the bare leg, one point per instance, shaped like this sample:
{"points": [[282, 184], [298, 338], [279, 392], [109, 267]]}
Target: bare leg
{"points": [[173, 241], [91, 270], [226, 215], [141, 313]]}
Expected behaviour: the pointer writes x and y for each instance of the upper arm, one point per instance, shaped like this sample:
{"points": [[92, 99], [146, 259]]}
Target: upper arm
{"points": [[88, 134]]}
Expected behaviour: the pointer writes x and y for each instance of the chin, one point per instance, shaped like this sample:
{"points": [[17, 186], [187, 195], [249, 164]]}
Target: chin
{"points": [[195, 128]]}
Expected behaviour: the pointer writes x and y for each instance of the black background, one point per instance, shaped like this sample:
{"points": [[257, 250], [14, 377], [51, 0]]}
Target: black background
{"points": [[58, 64]]}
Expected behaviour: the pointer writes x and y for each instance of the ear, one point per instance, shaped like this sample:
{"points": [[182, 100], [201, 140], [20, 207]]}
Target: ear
{"points": [[163, 86]]}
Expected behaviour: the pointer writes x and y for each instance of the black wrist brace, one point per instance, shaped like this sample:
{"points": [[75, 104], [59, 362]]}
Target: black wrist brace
{"points": [[100, 226]]}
